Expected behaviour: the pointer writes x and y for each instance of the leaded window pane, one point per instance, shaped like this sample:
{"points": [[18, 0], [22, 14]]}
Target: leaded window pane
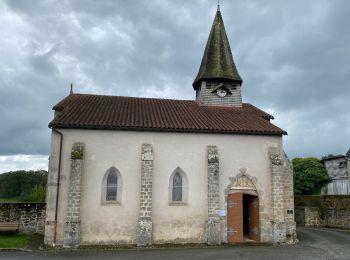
{"points": [[112, 183], [177, 187]]}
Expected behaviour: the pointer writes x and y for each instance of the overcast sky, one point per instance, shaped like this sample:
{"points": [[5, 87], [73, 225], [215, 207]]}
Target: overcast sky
{"points": [[293, 56]]}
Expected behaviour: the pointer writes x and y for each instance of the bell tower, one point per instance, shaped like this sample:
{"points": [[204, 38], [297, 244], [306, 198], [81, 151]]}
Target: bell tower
{"points": [[218, 82]]}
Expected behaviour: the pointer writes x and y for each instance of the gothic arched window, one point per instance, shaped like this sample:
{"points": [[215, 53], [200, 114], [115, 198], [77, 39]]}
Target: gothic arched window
{"points": [[178, 188], [111, 187]]}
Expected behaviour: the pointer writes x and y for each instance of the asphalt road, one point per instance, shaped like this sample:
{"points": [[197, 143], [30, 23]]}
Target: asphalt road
{"points": [[314, 244]]}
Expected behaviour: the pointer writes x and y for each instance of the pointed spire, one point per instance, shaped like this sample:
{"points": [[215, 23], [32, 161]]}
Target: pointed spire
{"points": [[217, 61]]}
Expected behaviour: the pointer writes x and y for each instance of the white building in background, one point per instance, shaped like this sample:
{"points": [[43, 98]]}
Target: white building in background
{"points": [[338, 168]]}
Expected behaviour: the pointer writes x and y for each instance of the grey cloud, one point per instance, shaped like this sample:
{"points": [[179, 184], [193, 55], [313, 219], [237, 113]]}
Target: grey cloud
{"points": [[293, 57]]}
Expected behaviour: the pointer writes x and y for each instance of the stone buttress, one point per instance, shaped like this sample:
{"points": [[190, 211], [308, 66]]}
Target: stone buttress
{"points": [[72, 227], [51, 191], [213, 222], [282, 204], [144, 224]]}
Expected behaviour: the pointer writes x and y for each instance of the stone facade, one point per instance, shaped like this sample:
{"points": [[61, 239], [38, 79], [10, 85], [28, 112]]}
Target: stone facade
{"points": [[72, 228], [31, 216], [283, 224], [145, 216], [213, 223], [144, 224], [206, 97]]}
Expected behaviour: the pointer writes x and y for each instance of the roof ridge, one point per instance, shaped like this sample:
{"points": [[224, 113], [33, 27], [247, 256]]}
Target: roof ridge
{"points": [[129, 97]]}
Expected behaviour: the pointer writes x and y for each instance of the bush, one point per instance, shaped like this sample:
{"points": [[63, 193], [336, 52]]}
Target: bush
{"points": [[38, 194], [310, 176]]}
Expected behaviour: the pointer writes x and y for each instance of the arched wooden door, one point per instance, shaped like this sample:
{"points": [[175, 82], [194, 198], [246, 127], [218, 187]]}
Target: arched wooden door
{"points": [[235, 217], [242, 217]]}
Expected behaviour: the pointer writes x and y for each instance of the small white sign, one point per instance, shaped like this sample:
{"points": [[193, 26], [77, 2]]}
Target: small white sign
{"points": [[222, 212]]}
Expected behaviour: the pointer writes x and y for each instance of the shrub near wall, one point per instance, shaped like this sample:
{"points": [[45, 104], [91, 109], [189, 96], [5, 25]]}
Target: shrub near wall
{"points": [[323, 211]]}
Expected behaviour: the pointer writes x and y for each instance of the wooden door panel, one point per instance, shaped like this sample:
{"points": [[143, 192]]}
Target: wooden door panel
{"points": [[235, 217], [254, 228]]}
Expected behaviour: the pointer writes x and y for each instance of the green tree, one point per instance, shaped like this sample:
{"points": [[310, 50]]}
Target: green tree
{"points": [[310, 176], [19, 184]]}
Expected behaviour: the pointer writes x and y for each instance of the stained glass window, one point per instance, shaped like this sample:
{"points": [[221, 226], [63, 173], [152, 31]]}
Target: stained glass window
{"points": [[177, 187], [112, 183]]}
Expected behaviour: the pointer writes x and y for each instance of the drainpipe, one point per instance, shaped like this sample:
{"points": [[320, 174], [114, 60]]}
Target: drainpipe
{"points": [[58, 183]]}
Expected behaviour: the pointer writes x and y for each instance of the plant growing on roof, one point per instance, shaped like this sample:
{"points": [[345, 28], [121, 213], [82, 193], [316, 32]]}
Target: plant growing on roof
{"points": [[77, 154]]}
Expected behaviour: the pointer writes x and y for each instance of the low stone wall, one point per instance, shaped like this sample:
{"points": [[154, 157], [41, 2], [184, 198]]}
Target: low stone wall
{"points": [[339, 218], [309, 217], [31, 216], [323, 211]]}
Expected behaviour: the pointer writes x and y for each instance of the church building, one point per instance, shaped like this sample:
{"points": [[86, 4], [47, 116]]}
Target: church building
{"points": [[145, 171]]}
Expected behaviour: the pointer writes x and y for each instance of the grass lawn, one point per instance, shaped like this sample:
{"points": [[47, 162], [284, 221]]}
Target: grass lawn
{"points": [[10, 200], [14, 240]]}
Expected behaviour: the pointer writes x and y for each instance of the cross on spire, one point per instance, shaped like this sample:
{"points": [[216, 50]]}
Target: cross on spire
{"points": [[218, 5]]}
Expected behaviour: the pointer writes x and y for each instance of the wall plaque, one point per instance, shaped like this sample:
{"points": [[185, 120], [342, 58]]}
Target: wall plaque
{"points": [[222, 212]]}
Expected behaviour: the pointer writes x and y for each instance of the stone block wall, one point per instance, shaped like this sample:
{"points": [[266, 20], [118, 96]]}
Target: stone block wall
{"points": [[313, 217], [323, 211], [31, 216], [338, 218]]}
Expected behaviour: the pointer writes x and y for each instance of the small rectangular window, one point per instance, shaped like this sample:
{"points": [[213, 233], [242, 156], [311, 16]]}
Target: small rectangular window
{"points": [[342, 165], [208, 85]]}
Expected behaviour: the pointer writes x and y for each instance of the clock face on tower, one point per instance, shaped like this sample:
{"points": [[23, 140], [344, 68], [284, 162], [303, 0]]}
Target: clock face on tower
{"points": [[221, 92]]}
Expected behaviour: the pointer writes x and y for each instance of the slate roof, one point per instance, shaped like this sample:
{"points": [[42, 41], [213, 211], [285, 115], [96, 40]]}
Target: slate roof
{"points": [[83, 111], [217, 61], [332, 157]]}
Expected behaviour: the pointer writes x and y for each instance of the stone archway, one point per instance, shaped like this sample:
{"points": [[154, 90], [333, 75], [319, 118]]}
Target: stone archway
{"points": [[243, 208]]}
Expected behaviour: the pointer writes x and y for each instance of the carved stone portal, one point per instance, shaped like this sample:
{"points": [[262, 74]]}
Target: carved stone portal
{"points": [[242, 183]]}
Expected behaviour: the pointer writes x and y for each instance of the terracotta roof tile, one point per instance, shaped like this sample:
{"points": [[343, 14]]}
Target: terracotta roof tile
{"points": [[148, 114]]}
